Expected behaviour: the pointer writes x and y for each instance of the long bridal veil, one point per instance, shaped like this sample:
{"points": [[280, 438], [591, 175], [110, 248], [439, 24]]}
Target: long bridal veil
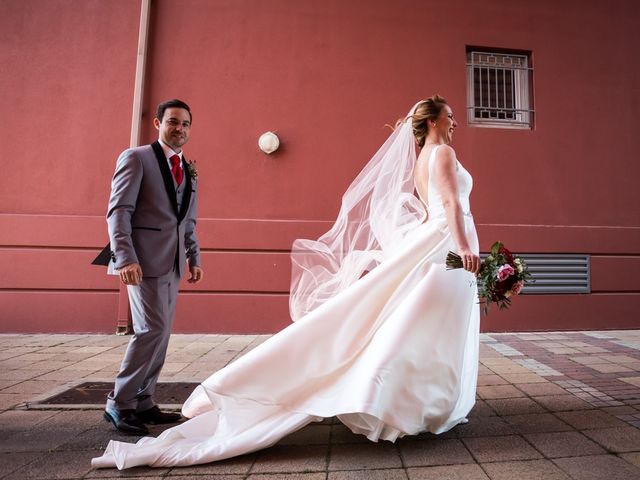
{"points": [[377, 210]]}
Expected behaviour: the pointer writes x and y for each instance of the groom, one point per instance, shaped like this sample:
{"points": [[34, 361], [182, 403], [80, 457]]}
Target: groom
{"points": [[151, 219]]}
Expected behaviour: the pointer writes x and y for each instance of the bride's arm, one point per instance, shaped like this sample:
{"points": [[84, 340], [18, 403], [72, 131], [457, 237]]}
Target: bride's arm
{"points": [[445, 177]]}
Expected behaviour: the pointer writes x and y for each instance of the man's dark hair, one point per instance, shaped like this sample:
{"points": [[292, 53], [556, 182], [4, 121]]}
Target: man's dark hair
{"points": [[173, 103]]}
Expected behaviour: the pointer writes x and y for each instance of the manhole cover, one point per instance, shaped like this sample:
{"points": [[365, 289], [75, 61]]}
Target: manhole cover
{"points": [[95, 393]]}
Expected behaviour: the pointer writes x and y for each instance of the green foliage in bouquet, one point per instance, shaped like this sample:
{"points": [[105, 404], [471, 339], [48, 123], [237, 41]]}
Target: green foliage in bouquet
{"points": [[502, 275]]}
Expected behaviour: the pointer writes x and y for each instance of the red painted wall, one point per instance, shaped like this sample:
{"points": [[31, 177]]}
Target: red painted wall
{"points": [[326, 77]]}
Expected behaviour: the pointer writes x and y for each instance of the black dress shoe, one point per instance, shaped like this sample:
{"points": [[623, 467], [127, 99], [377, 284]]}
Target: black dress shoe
{"points": [[155, 416], [125, 421]]}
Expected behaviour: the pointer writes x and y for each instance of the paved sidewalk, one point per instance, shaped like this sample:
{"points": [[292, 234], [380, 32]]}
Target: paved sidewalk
{"points": [[550, 406]]}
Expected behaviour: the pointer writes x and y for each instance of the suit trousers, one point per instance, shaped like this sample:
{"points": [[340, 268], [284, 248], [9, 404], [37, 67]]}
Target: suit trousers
{"points": [[153, 308]]}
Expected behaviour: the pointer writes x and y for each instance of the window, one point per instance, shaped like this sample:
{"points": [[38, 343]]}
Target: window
{"points": [[499, 92]]}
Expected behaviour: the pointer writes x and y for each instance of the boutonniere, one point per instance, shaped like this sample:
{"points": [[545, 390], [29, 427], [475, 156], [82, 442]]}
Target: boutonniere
{"points": [[193, 171]]}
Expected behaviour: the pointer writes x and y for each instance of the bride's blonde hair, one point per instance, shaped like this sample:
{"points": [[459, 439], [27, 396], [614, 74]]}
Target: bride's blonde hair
{"points": [[426, 110]]}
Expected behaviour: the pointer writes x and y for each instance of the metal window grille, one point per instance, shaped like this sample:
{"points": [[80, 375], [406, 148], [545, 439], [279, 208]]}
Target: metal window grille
{"points": [[557, 273], [499, 89]]}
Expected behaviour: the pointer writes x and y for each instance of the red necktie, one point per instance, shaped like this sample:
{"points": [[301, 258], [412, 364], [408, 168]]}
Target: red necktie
{"points": [[175, 168]]}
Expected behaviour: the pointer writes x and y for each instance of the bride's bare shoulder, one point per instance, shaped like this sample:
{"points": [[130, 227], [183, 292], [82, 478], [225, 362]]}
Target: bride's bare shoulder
{"points": [[445, 156]]}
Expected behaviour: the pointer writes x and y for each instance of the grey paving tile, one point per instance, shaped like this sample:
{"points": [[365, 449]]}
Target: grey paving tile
{"points": [[341, 434], [388, 474], [560, 403], [500, 449], [310, 435], [291, 458], [633, 458], [363, 456], [483, 427], [13, 421], [449, 472], [286, 476], [10, 462], [232, 466], [525, 470], [621, 439], [145, 473], [536, 422], [598, 467], [436, 451], [481, 409], [515, 406], [588, 419], [564, 444], [55, 465]]}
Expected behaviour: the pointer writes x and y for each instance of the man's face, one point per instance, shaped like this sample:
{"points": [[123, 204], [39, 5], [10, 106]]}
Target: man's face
{"points": [[175, 127]]}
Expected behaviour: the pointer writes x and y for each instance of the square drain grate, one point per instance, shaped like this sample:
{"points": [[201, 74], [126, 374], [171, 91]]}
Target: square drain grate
{"points": [[95, 393]]}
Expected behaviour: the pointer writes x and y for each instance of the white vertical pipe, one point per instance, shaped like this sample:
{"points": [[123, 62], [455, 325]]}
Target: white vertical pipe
{"points": [[123, 322], [141, 63]]}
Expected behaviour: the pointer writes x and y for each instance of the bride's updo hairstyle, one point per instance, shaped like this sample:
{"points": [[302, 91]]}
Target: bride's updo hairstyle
{"points": [[426, 110]]}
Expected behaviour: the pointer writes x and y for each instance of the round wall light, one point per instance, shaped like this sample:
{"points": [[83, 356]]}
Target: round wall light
{"points": [[268, 142]]}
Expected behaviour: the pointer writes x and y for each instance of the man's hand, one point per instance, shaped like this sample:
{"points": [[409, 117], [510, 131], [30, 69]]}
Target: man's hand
{"points": [[195, 274], [131, 274]]}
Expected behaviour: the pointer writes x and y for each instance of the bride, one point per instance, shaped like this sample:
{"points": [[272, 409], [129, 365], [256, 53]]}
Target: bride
{"points": [[384, 337]]}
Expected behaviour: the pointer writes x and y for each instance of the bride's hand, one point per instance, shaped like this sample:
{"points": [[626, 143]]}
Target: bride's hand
{"points": [[470, 261]]}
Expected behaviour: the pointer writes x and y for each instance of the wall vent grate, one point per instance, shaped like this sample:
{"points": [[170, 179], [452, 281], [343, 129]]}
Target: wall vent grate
{"points": [[557, 273]]}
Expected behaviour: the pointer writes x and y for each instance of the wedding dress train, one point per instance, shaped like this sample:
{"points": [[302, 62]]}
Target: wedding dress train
{"points": [[393, 354]]}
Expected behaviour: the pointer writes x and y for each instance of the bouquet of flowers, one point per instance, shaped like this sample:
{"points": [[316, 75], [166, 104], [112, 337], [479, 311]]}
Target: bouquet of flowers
{"points": [[502, 274]]}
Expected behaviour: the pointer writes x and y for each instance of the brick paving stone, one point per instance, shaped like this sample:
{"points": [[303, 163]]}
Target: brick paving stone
{"points": [[508, 368], [433, 452], [291, 458], [620, 439], [541, 389], [450, 472], [632, 380], [388, 474], [621, 358], [610, 368], [588, 419], [515, 406], [563, 444], [537, 423], [358, 457], [493, 379], [525, 470], [499, 391], [593, 350], [524, 378], [500, 449], [559, 403], [598, 467]]}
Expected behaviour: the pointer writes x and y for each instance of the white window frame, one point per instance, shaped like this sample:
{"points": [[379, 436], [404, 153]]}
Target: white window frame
{"points": [[504, 110]]}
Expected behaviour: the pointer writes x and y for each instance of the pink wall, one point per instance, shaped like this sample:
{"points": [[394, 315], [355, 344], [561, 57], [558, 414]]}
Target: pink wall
{"points": [[325, 76]]}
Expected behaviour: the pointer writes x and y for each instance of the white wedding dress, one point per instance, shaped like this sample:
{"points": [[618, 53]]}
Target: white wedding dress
{"points": [[393, 354]]}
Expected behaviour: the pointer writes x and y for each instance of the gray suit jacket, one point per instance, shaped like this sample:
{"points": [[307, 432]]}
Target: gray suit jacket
{"points": [[145, 225]]}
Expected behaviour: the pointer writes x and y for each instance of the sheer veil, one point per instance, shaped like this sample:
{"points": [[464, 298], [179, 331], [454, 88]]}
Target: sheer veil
{"points": [[377, 211]]}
